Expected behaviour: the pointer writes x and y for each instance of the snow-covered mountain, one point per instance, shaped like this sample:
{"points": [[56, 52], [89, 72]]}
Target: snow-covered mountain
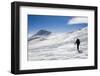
{"points": [[48, 46], [41, 35], [43, 32]]}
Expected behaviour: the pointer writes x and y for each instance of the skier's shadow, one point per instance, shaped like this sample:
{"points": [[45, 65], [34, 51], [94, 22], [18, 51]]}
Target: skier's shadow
{"points": [[80, 51]]}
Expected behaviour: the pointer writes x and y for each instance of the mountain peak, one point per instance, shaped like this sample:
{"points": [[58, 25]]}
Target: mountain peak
{"points": [[43, 32]]}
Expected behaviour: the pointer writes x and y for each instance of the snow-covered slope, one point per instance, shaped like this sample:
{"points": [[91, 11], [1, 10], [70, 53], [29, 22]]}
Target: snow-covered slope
{"points": [[59, 46], [41, 35]]}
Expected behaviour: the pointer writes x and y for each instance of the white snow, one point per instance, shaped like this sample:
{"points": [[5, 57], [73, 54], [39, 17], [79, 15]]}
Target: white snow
{"points": [[59, 46]]}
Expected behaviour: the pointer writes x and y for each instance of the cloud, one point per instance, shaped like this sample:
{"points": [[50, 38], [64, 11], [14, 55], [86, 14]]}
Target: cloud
{"points": [[77, 20]]}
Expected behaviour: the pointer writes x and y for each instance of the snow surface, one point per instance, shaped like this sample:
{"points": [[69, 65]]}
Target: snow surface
{"points": [[59, 46]]}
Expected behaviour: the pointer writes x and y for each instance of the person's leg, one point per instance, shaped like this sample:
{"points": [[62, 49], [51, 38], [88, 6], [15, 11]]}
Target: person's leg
{"points": [[78, 48]]}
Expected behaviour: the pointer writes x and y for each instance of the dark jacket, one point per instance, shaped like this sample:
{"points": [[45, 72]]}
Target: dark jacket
{"points": [[77, 41]]}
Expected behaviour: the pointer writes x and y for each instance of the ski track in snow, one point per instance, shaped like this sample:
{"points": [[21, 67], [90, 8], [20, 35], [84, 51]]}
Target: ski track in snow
{"points": [[59, 47]]}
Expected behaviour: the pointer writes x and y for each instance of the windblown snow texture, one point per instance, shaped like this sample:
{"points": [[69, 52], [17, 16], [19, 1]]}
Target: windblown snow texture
{"points": [[45, 45]]}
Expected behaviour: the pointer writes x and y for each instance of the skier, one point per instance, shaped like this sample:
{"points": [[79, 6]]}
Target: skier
{"points": [[78, 43]]}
